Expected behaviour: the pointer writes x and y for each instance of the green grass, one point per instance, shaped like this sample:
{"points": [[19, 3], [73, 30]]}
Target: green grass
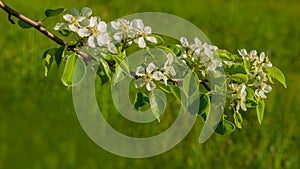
{"points": [[39, 127]]}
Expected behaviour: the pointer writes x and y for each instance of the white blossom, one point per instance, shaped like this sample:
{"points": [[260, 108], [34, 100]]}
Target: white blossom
{"points": [[263, 90], [239, 94], [147, 77], [123, 29], [143, 31]]}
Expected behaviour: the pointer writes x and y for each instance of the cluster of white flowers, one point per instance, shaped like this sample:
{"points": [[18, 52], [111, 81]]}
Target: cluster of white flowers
{"points": [[201, 52], [88, 26], [135, 29], [239, 93], [152, 72], [97, 34], [257, 73]]}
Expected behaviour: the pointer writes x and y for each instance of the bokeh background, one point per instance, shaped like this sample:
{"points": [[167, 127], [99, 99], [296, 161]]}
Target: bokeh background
{"points": [[39, 128]]}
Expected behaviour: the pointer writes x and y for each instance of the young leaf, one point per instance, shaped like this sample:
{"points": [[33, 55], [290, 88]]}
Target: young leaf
{"points": [[157, 103], [59, 54], [67, 75], [54, 12], [48, 56], [238, 120], [204, 104], [79, 71], [48, 63], [141, 100], [176, 50], [247, 65], [190, 83], [176, 92], [106, 68], [239, 78], [65, 32], [250, 99], [225, 56], [260, 109], [225, 127], [277, 74], [23, 24]]}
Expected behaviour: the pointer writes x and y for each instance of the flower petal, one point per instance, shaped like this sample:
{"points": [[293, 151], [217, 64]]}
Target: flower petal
{"points": [[157, 75], [141, 42], [138, 83], [262, 56], [151, 39], [140, 71], [198, 42], [91, 42], [74, 12], [68, 17], [73, 28], [85, 22], [84, 32], [184, 42], [103, 39], [147, 30], [85, 11], [150, 68], [150, 86], [112, 48], [118, 36], [101, 27], [60, 26]]}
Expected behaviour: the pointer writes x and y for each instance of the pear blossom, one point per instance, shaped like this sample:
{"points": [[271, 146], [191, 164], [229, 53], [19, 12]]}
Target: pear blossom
{"points": [[263, 90], [143, 31], [123, 29], [202, 52], [148, 76], [77, 22], [239, 94], [168, 68]]}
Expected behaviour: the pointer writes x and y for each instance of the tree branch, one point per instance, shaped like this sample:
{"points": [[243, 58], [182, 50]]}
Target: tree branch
{"points": [[38, 26]]}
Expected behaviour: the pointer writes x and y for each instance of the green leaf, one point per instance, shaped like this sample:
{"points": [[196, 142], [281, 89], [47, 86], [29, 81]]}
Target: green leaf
{"points": [[23, 24], [157, 103], [204, 104], [67, 75], [239, 78], [74, 71], [159, 40], [277, 74], [190, 84], [106, 68], [65, 32], [48, 56], [250, 99], [59, 54], [247, 65], [176, 92], [250, 94], [238, 120], [79, 71], [236, 69], [176, 50], [54, 12], [260, 109], [225, 127], [225, 55], [141, 100]]}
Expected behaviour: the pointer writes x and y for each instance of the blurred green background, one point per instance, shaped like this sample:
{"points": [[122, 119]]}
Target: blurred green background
{"points": [[39, 128]]}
